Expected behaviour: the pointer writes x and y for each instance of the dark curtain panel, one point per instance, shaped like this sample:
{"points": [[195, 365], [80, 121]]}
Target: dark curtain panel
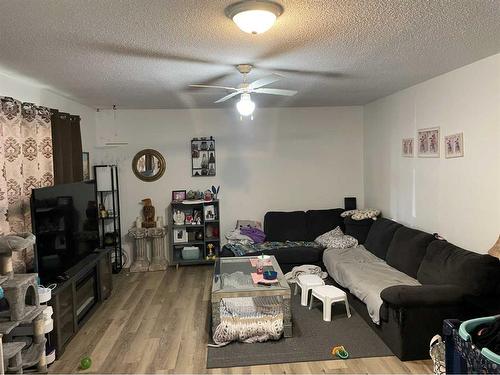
{"points": [[67, 148]]}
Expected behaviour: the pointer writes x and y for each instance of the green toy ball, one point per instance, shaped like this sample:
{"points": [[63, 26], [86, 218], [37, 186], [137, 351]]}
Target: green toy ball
{"points": [[85, 363]]}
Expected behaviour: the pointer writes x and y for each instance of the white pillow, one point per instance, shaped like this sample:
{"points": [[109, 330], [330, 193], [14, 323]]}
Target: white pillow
{"points": [[324, 239], [342, 242]]}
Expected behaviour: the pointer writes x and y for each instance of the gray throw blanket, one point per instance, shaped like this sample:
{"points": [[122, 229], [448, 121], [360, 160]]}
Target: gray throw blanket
{"points": [[365, 275]]}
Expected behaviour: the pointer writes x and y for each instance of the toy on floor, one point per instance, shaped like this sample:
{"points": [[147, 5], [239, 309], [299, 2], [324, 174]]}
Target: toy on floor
{"points": [[340, 352], [85, 363]]}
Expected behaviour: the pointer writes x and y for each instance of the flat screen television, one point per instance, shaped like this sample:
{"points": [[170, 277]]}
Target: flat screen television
{"points": [[65, 223]]}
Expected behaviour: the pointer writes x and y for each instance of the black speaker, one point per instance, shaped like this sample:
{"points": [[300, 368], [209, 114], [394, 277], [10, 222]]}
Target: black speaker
{"points": [[350, 203]]}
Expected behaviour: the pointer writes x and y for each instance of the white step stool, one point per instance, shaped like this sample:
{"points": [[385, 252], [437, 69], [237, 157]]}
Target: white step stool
{"points": [[328, 294], [306, 283]]}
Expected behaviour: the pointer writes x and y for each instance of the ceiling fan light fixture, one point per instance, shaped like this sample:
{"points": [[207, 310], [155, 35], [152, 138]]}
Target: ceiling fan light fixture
{"points": [[254, 16], [245, 106]]}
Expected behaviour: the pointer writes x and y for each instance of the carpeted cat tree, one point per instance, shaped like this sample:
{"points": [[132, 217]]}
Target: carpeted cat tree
{"points": [[20, 305]]}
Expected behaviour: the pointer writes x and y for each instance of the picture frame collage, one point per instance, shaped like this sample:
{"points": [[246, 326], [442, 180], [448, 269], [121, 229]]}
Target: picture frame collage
{"points": [[203, 162], [428, 144]]}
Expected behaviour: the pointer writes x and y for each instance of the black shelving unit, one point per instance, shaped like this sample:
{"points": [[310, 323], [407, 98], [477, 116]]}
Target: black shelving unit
{"points": [[175, 248], [108, 194]]}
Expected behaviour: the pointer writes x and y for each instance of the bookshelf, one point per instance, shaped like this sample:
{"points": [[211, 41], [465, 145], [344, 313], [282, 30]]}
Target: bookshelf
{"points": [[193, 233]]}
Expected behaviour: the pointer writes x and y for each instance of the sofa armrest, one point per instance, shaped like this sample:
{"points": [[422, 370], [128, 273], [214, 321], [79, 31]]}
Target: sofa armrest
{"points": [[422, 295]]}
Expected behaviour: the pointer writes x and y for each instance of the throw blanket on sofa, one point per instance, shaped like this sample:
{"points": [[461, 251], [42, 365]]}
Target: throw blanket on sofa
{"points": [[306, 269], [239, 249], [365, 275]]}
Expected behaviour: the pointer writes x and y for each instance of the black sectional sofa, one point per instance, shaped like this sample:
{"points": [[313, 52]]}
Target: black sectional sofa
{"points": [[297, 226], [456, 283]]}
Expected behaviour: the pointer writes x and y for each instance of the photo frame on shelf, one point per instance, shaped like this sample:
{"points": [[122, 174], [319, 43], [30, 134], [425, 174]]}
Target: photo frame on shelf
{"points": [[454, 146], [178, 195], [86, 166], [407, 147], [428, 143], [203, 160], [180, 236], [209, 213]]}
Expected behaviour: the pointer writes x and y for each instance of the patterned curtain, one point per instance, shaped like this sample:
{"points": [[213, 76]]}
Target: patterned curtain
{"points": [[26, 162]]}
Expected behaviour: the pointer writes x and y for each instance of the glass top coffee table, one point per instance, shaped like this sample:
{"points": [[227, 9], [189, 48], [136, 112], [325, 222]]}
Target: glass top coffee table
{"points": [[232, 278]]}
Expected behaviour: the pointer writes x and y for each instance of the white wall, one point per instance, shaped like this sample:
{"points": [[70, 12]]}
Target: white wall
{"points": [[29, 91], [459, 198], [285, 159]]}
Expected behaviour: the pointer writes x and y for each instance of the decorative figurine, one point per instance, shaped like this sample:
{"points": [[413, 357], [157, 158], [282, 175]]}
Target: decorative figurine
{"points": [[207, 196], [148, 211], [204, 161], [197, 217], [179, 217], [211, 252], [215, 192], [102, 211]]}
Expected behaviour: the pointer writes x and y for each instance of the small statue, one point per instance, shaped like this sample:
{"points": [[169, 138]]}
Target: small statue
{"points": [[102, 211], [211, 253], [148, 211], [179, 217], [207, 197]]}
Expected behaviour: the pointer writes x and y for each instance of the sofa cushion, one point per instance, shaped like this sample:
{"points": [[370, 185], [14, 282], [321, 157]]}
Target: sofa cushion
{"points": [[407, 249], [358, 228], [380, 236], [296, 255], [285, 226], [321, 221], [445, 263]]}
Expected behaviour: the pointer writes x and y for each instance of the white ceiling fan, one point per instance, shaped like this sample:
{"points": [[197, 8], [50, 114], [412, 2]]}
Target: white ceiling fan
{"points": [[245, 106]]}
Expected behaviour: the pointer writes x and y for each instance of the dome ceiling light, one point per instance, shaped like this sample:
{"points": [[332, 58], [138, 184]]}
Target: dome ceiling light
{"points": [[254, 16]]}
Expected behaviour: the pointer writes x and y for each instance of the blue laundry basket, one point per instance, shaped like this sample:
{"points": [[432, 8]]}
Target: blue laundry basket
{"points": [[462, 356]]}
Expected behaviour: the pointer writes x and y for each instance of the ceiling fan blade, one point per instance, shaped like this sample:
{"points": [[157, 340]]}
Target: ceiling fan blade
{"points": [[275, 91], [265, 81], [228, 96], [215, 87]]}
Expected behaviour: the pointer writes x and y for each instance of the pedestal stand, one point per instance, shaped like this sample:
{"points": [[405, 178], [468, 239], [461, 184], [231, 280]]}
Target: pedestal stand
{"points": [[159, 258], [157, 237], [141, 262]]}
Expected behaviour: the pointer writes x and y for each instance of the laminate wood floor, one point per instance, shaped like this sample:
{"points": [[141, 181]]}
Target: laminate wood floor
{"points": [[157, 322]]}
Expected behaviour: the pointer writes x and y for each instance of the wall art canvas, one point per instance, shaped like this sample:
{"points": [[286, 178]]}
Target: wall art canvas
{"points": [[428, 143], [407, 147], [454, 145]]}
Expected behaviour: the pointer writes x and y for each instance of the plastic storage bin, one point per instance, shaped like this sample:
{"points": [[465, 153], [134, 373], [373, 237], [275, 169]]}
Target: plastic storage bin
{"points": [[190, 253]]}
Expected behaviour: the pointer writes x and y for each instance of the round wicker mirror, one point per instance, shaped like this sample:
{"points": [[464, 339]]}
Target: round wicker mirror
{"points": [[149, 165]]}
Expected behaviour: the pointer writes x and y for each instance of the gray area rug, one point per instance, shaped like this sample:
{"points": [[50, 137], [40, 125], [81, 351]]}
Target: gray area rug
{"points": [[313, 340]]}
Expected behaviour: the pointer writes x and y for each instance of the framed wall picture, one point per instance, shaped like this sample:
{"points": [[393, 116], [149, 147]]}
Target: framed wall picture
{"points": [[407, 147], [209, 212], [428, 143], [180, 236], [454, 146], [203, 157], [86, 166], [178, 195]]}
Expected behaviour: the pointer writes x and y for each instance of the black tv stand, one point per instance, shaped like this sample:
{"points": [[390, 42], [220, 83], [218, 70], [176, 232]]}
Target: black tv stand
{"points": [[75, 299]]}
